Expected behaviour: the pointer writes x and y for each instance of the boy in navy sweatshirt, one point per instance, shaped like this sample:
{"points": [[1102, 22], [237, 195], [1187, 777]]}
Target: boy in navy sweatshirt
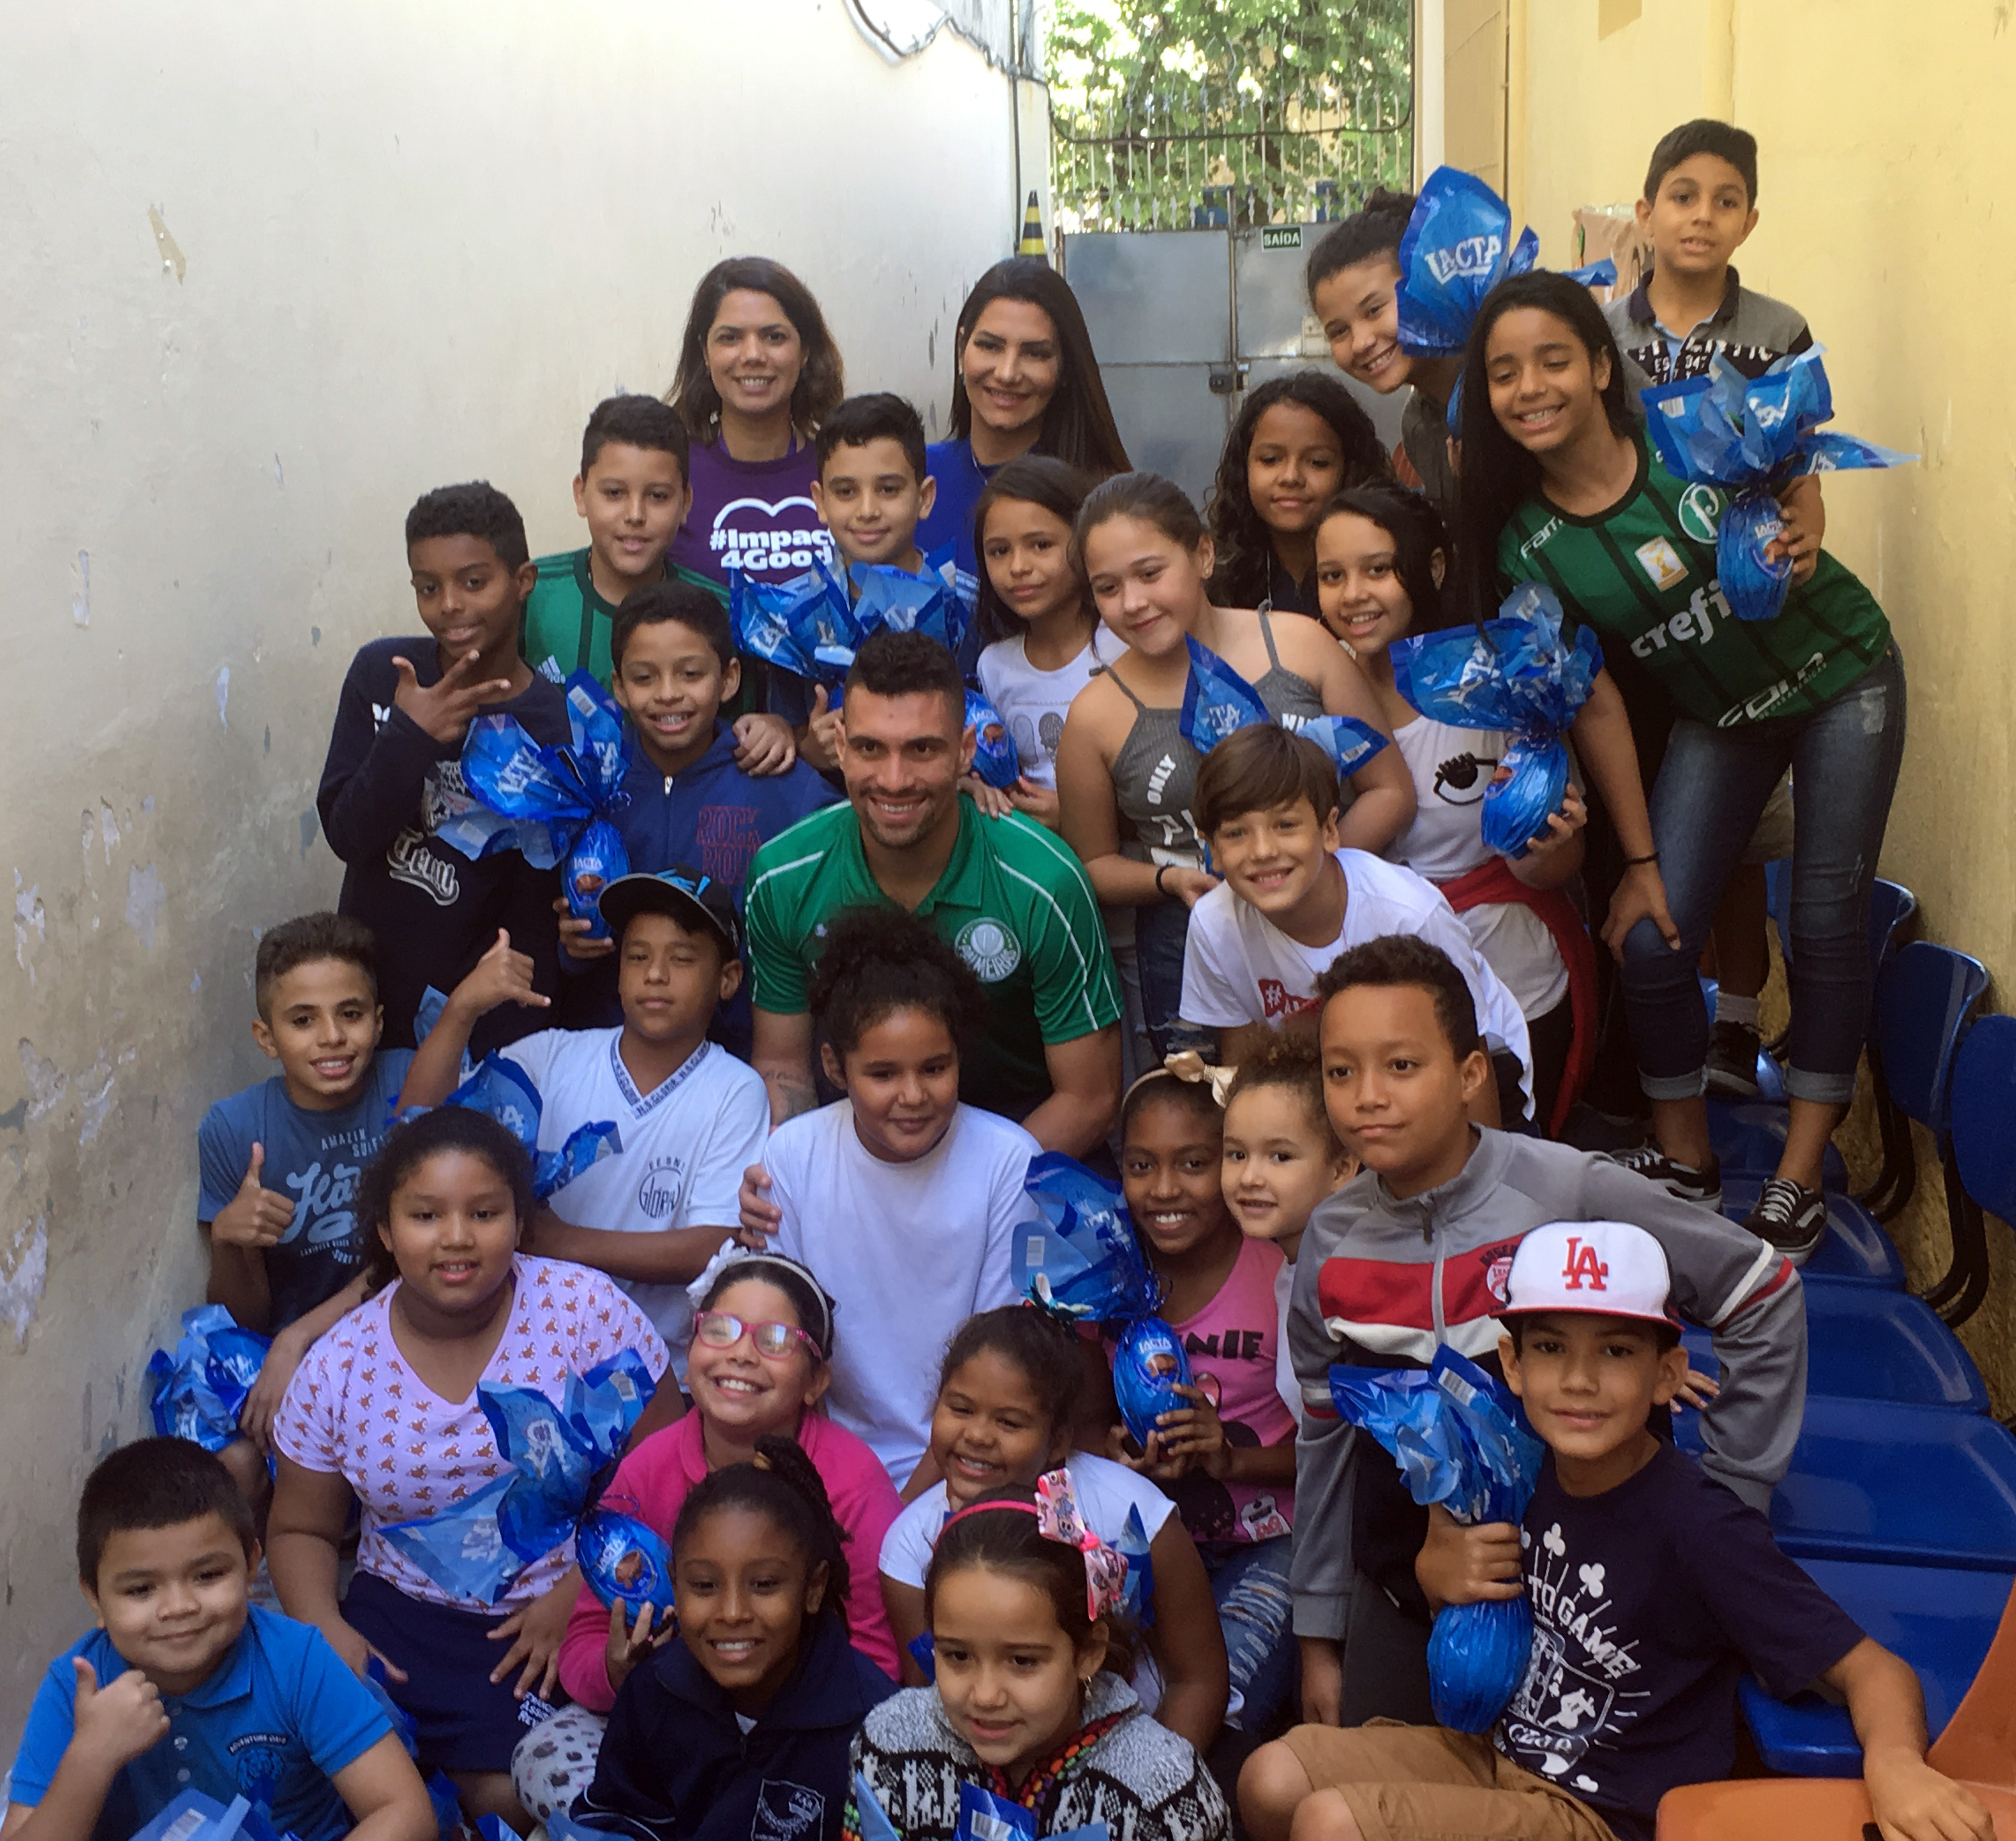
{"points": [[690, 801], [394, 773]]}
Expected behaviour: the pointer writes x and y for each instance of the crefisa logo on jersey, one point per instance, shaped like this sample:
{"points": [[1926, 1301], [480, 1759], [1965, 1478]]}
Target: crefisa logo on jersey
{"points": [[658, 1194]]}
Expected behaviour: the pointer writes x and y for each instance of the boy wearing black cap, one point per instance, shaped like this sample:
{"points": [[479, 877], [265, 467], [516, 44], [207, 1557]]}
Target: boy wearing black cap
{"points": [[1654, 1590], [689, 1117]]}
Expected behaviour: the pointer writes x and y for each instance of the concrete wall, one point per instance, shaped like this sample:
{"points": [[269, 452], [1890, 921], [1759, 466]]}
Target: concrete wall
{"points": [[1884, 196], [271, 272]]}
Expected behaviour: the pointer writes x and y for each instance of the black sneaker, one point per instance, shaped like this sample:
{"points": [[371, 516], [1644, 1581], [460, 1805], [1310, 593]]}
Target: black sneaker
{"points": [[1732, 1049], [1792, 1218], [1689, 1184]]}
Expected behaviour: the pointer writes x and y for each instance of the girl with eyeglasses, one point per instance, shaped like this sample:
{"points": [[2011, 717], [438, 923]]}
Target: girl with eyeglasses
{"points": [[758, 1367]]}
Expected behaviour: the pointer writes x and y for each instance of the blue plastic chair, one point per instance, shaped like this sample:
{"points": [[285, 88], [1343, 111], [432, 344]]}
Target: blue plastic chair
{"points": [[1925, 1007], [1905, 1485], [1940, 1619], [1981, 1169], [1864, 1343]]}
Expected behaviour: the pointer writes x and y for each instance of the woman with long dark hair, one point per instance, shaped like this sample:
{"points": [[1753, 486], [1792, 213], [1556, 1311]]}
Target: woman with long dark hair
{"points": [[1296, 441], [757, 371], [1560, 486], [1024, 381]]}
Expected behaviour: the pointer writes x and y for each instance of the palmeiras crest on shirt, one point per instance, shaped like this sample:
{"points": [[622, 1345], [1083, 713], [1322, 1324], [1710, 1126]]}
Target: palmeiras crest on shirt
{"points": [[990, 947]]}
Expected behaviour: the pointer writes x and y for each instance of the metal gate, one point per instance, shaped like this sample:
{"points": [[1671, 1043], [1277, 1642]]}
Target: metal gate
{"points": [[1184, 321], [1181, 114], [1196, 153]]}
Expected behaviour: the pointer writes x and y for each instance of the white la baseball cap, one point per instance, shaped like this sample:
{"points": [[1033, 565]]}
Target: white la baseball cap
{"points": [[1595, 1268]]}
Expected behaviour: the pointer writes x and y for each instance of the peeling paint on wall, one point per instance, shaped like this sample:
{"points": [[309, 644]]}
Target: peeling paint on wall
{"points": [[173, 261], [108, 828], [145, 899], [80, 603], [311, 823], [223, 694], [24, 1270], [47, 1082], [94, 1088], [29, 915]]}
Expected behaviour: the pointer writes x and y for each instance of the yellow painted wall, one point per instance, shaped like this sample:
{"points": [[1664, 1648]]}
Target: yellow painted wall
{"points": [[1884, 189]]}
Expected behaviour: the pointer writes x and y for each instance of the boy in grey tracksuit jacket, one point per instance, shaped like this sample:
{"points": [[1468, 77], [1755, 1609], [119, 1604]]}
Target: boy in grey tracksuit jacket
{"points": [[1380, 1281]]}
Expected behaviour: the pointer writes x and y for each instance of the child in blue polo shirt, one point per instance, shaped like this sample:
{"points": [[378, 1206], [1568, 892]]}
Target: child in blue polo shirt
{"points": [[184, 1685], [691, 801]]}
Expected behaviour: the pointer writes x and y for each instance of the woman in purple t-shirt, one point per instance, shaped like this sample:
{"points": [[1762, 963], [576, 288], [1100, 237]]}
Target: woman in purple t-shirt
{"points": [[758, 370]]}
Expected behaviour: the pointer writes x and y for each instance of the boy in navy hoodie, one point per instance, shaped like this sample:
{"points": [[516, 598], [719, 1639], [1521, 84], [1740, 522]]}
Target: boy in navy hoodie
{"points": [[674, 666], [393, 773]]}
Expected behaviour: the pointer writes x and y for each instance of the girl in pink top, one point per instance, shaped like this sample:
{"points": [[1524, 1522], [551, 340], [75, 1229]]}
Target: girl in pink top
{"points": [[759, 1364], [1227, 1459]]}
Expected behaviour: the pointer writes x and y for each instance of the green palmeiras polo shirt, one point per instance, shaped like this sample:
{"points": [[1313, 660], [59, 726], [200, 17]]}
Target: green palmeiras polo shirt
{"points": [[1013, 902], [568, 620]]}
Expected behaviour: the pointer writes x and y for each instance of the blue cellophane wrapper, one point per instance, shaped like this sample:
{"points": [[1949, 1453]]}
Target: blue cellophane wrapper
{"points": [[1349, 742], [194, 1817], [553, 804], [872, 1820], [477, 1548], [494, 1828], [1460, 1440], [994, 758], [983, 1816], [505, 1092], [624, 1560], [198, 1393], [1137, 1596], [1217, 701], [1081, 1261], [1149, 1365], [1751, 436], [1518, 672], [812, 625], [1458, 247]]}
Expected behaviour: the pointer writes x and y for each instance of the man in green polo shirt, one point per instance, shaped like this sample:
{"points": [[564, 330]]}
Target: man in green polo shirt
{"points": [[1008, 896]]}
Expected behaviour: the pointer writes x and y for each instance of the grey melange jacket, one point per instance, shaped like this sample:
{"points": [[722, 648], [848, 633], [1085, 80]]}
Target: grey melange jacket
{"points": [[1380, 1282]]}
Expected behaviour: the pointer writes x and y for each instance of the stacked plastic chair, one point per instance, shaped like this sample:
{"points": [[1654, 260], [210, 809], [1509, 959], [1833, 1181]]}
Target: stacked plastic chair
{"points": [[1901, 1498]]}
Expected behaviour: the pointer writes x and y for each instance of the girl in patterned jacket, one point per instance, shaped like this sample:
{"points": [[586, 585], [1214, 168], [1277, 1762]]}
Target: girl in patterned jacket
{"points": [[1031, 1701]]}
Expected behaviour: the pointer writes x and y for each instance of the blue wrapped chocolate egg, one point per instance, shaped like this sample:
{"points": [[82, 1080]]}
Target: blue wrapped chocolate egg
{"points": [[593, 863], [1754, 585], [1149, 1365], [993, 757], [623, 1560]]}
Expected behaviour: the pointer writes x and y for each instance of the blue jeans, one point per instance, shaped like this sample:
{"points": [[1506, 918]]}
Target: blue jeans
{"points": [[1249, 1584], [1162, 930], [1711, 791]]}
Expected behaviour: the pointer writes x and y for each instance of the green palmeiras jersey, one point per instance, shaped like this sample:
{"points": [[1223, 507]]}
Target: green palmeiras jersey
{"points": [[1643, 574]]}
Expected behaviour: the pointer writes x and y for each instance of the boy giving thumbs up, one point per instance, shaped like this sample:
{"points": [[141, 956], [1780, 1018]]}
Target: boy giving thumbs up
{"points": [[280, 1161]]}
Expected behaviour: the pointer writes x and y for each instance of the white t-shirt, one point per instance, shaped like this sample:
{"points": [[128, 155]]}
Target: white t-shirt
{"points": [[1033, 702], [1452, 768], [1105, 1490], [1239, 968], [908, 1252], [684, 1146]]}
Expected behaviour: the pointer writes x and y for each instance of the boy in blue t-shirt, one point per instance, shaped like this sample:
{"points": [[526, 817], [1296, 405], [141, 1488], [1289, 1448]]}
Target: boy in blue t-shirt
{"points": [[691, 801], [872, 492], [280, 1161], [184, 1685], [1654, 1590]]}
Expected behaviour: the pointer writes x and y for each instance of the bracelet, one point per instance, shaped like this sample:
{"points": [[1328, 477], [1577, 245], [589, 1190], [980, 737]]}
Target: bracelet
{"points": [[1159, 874], [1636, 862]]}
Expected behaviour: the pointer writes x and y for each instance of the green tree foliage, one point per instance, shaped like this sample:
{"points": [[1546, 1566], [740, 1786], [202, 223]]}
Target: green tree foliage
{"points": [[1272, 111]]}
